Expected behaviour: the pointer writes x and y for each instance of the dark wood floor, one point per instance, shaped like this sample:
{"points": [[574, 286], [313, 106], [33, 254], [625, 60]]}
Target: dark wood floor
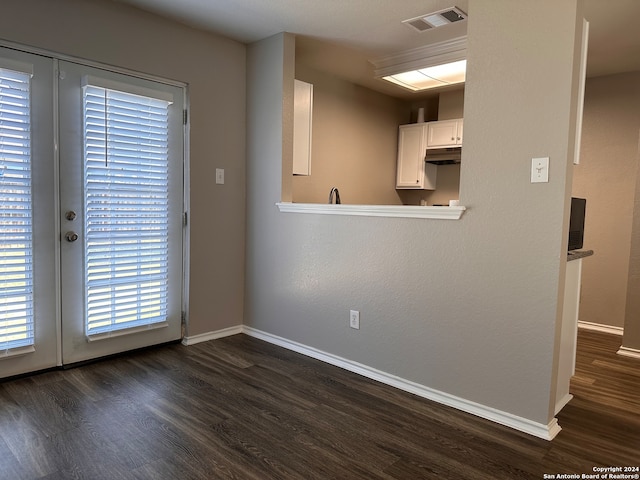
{"points": [[241, 408]]}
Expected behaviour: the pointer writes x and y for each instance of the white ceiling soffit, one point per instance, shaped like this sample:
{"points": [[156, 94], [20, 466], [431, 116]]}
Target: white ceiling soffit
{"points": [[436, 19]]}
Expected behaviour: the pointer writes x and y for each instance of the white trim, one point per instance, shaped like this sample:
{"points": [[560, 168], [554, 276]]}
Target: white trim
{"points": [[94, 337], [55, 82], [140, 91], [396, 211], [547, 432], [204, 337], [598, 327], [186, 207], [17, 66], [582, 76], [421, 57], [14, 352], [629, 352], [562, 403]]}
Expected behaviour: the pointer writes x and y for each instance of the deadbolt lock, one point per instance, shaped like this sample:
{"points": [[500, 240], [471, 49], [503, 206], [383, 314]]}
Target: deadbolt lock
{"points": [[70, 215]]}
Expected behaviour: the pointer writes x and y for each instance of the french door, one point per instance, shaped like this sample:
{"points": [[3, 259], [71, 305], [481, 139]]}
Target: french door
{"points": [[29, 327], [91, 209]]}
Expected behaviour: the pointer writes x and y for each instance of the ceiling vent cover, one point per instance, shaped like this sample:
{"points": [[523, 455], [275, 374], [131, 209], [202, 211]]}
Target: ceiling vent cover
{"points": [[436, 19]]}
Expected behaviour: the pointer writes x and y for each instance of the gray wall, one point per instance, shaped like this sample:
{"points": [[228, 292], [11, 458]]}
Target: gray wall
{"points": [[451, 104], [631, 337], [214, 68], [606, 177], [465, 307], [354, 145]]}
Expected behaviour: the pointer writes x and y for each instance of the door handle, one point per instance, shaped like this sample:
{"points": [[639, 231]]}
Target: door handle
{"points": [[71, 236]]}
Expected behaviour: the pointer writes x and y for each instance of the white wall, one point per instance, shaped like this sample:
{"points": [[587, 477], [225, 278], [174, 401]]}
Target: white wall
{"points": [[214, 68], [465, 307]]}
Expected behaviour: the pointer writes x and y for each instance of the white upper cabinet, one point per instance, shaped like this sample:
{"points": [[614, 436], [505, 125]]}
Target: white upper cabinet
{"points": [[446, 133], [412, 172], [302, 116]]}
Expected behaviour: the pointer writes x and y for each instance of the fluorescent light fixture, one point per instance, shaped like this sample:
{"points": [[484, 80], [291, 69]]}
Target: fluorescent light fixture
{"points": [[431, 77], [431, 66]]}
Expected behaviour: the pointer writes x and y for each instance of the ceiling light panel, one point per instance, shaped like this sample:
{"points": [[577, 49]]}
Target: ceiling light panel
{"points": [[431, 77], [430, 66], [450, 73], [415, 80]]}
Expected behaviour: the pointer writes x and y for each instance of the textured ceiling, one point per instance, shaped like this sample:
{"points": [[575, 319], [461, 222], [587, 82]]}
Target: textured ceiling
{"points": [[372, 28], [370, 25]]}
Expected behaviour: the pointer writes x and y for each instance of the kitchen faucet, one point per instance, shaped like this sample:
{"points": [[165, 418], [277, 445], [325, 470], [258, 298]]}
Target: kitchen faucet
{"points": [[334, 189]]}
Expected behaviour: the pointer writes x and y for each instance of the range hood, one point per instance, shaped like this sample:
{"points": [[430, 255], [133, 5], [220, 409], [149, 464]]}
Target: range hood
{"points": [[444, 156]]}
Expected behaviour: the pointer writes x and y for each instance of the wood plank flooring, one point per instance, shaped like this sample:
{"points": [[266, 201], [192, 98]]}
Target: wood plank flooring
{"points": [[243, 409]]}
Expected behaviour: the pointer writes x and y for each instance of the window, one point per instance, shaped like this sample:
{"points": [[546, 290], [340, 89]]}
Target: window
{"points": [[16, 226], [126, 177]]}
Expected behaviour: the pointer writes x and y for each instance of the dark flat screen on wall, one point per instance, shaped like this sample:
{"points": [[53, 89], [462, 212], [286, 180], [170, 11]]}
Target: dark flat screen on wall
{"points": [[576, 223]]}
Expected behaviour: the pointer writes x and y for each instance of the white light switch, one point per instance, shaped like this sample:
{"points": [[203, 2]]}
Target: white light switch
{"points": [[220, 176], [540, 170]]}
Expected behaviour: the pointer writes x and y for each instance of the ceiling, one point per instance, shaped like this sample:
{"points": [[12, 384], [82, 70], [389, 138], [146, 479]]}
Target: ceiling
{"points": [[340, 36]]}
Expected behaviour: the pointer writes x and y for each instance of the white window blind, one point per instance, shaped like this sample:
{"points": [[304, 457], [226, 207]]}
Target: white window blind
{"points": [[16, 228], [126, 210]]}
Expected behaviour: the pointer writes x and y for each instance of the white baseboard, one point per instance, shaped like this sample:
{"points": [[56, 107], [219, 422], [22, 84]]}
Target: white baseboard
{"points": [[629, 352], [598, 327], [563, 403], [547, 432], [203, 337]]}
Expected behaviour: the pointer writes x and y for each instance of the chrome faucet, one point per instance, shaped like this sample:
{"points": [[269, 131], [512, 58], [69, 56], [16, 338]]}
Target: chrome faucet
{"points": [[334, 190]]}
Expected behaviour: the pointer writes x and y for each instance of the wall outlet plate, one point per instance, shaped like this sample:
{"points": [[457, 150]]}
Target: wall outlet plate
{"points": [[354, 319], [220, 176]]}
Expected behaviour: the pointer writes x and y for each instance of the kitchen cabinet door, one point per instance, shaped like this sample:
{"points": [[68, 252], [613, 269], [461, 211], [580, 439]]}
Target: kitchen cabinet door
{"points": [[302, 123], [412, 172], [445, 133]]}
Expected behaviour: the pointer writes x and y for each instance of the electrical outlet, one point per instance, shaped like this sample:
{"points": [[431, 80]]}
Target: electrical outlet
{"points": [[540, 170], [220, 176], [354, 319]]}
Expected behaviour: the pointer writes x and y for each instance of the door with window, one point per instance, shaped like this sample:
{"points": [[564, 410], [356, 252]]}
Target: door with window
{"points": [[121, 211], [29, 328], [107, 236]]}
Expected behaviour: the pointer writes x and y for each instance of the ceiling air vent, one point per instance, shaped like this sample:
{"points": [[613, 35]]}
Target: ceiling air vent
{"points": [[436, 19]]}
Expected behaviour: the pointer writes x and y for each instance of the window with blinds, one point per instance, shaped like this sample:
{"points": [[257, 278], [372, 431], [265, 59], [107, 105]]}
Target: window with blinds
{"points": [[16, 226], [126, 210]]}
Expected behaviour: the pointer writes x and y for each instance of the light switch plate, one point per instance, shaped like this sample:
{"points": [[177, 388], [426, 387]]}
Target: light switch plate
{"points": [[220, 176], [540, 170]]}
